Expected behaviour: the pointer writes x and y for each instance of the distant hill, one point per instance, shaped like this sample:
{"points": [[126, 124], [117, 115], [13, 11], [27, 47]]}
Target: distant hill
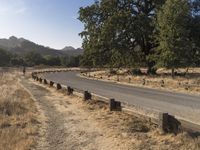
{"points": [[11, 42], [68, 48], [22, 46]]}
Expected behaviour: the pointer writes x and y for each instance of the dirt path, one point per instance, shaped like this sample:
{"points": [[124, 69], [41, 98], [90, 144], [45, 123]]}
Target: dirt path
{"points": [[66, 126]]}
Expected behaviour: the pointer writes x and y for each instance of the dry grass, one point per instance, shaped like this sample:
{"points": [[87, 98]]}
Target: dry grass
{"points": [[18, 122], [189, 83], [137, 131]]}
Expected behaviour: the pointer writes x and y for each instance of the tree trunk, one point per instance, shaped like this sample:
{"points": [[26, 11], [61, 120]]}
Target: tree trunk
{"points": [[173, 73]]}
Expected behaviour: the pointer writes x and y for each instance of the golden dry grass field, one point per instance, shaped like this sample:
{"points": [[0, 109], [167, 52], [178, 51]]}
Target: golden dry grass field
{"points": [[18, 115]]}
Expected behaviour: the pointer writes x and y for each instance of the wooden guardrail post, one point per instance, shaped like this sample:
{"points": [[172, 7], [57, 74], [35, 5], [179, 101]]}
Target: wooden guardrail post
{"points": [[40, 80], [34, 77], [115, 105], [168, 123], [87, 96], [129, 80], [163, 121], [112, 104], [143, 81], [187, 86], [162, 83], [45, 81], [59, 87], [69, 90], [117, 78], [32, 74], [51, 83]]}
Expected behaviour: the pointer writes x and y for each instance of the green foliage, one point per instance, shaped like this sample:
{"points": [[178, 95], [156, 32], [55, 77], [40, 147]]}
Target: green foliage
{"points": [[135, 33], [136, 71], [174, 48], [32, 58], [152, 71], [52, 60], [194, 26], [4, 58], [118, 33], [17, 60], [70, 61], [64, 60], [74, 61]]}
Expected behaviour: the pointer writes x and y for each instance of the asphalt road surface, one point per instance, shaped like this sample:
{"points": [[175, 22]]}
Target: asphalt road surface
{"points": [[181, 105]]}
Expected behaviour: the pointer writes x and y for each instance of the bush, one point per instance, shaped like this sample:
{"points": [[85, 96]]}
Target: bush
{"points": [[136, 71], [113, 72], [152, 71]]}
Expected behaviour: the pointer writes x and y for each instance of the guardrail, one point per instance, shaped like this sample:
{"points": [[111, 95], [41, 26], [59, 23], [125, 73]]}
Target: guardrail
{"points": [[166, 122]]}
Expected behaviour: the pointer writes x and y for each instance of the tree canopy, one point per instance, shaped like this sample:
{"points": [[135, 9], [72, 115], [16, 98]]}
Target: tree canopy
{"points": [[129, 33], [174, 46], [33, 59]]}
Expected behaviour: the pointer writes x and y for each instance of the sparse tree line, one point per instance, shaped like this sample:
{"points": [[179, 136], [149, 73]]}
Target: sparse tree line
{"points": [[34, 59], [141, 33]]}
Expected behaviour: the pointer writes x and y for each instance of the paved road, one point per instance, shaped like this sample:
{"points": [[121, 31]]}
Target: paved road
{"points": [[181, 105]]}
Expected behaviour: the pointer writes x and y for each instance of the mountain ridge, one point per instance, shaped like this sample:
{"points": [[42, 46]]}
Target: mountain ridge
{"points": [[22, 46]]}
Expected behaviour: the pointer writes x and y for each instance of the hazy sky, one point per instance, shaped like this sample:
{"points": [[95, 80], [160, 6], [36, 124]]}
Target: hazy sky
{"points": [[48, 22]]}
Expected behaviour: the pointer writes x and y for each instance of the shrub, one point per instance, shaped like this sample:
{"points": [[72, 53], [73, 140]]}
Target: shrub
{"points": [[152, 71], [136, 71], [114, 72]]}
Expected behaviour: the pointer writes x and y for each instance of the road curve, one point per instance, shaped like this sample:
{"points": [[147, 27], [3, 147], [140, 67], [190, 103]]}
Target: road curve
{"points": [[181, 105]]}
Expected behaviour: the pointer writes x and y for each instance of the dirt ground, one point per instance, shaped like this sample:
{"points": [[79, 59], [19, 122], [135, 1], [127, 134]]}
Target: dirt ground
{"points": [[68, 123], [186, 84]]}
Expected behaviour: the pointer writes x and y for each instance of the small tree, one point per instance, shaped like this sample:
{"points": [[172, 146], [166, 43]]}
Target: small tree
{"points": [[174, 45]]}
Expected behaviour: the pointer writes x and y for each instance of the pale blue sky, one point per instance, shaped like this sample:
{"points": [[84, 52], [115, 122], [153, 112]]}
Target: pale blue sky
{"points": [[51, 23]]}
